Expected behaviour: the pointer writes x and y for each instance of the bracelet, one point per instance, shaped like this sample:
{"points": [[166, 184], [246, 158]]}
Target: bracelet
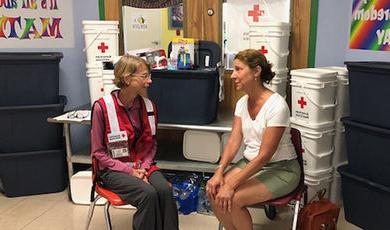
{"points": [[219, 166]]}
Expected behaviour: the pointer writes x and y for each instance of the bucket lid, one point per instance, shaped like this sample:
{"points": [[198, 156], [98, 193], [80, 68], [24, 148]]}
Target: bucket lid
{"points": [[94, 66], [98, 22], [339, 69], [323, 125], [270, 24], [315, 74]]}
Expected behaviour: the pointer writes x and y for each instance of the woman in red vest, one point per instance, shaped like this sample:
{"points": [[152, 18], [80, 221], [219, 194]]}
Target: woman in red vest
{"points": [[123, 141]]}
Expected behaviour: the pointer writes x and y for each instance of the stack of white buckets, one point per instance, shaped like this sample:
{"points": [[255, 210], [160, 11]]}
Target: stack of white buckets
{"points": [[272, 39], [319, 98], [101, 44]]}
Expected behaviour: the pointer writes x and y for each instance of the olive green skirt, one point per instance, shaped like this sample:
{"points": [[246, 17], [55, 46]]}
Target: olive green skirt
{"points": [[280, 177]]}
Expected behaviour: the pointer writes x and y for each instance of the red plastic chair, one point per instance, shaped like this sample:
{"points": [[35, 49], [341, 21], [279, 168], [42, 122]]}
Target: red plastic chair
{"points": [[296, 195], [111, 197]]}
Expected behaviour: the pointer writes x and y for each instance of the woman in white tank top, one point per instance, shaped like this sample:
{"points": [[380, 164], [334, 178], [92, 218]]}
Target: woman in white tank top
{"points": [[269, 168]]}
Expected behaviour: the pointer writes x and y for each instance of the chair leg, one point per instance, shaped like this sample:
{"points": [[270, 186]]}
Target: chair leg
{"points": [[107, 216], [90, 212], [296, 211], [220, 227]]}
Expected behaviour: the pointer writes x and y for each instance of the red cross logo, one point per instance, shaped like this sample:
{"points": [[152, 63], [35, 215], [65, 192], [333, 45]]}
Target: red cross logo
{"points": [[302, 102], [103, 47], [123, 135], [255, 13], [263, 50]]}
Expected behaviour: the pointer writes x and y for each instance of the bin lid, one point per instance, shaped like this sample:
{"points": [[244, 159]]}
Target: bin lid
{"points": [[30, 56], [369, 65], [270, 24], [339, 69], [315, 74], [99, 22]]}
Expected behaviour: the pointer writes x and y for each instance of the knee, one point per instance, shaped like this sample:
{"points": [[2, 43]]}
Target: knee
{"points": [[149, 194], [237, 203], [164, 190]]}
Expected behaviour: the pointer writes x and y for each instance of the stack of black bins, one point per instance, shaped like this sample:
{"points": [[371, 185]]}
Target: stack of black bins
{"points": [[32, 156], [366, 178]]}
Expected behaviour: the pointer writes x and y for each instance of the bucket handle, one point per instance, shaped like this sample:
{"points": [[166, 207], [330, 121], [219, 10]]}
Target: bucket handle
{"points": [[310, 99], [89, 45], [313, 135], [318, 156], [282, 55], [313, 85], [316, 183], [276, 81]]}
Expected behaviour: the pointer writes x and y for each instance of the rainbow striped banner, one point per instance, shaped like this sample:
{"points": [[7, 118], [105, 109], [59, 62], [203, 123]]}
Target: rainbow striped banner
{"points": [[370, 27]]}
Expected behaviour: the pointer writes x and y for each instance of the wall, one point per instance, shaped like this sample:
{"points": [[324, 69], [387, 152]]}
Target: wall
{"points": [[73, 82], [167, 34], [334, 19]]}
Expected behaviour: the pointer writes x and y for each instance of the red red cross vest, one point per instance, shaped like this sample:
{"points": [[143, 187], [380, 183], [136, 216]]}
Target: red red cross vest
{"points": [[116, 119]]}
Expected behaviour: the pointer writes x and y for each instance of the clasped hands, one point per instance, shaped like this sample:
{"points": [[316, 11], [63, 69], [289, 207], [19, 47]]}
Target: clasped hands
{"points": [[141, 174], [221, 192]]}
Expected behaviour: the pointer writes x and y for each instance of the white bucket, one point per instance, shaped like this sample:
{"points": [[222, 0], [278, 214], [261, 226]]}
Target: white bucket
{"points": [[313, 95], [317, 144], [342, 93], [240, 153], [340, 147], [101, 41], [317, 180], [279, 82], [195, 147], [335, 188], [95, 82], [80, 188], [108, 81], [272, 39]]}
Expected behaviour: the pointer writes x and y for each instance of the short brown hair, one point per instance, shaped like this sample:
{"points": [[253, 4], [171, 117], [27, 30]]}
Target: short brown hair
{"points": [[127, 65], [254, 58]]}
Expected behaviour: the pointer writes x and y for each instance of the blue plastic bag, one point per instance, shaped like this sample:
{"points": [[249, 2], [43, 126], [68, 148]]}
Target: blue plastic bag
{"points": [[185, 192]]}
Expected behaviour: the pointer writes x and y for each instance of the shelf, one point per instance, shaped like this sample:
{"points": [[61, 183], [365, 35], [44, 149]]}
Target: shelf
{"points": [[177, 162], [82, 157], [223, 123]]}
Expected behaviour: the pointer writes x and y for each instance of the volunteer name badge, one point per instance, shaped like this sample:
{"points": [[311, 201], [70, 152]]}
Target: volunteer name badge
{"points": [[117, 144]]}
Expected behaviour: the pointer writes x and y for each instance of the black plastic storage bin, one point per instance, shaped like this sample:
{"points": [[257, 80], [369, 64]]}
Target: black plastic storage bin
{"points": [[31, 173], [25, 128], [368, 151], [366, 204], [185, 96], [369, 92], [29, 78]]}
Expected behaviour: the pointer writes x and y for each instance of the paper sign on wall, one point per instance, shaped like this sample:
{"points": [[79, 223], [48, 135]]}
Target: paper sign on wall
{"points": [[370, 27], [238, 14], [36, 24]]}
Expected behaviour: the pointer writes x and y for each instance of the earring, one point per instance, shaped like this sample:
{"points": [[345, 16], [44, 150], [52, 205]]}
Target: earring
{"points": [[255, 78]]}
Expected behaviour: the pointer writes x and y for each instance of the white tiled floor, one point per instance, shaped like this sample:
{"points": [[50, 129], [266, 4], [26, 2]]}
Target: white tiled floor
{"points": [[55, 212]]}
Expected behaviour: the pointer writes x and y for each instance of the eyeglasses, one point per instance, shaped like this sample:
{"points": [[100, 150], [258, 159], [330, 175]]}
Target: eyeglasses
{"points": [[78, 114], [144, 76]]}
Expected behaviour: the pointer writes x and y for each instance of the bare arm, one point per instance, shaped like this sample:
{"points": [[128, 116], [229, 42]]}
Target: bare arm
{"points": [[232, 146], [269, 144]]}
